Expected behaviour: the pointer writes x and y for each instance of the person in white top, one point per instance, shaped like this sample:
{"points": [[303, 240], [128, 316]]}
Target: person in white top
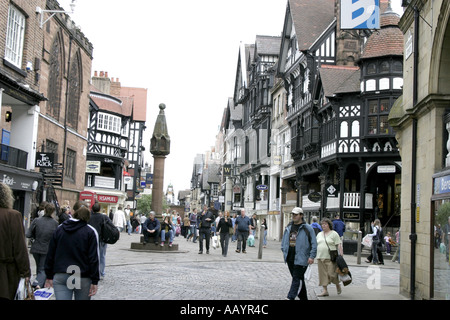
{"points": [[119, 219]]}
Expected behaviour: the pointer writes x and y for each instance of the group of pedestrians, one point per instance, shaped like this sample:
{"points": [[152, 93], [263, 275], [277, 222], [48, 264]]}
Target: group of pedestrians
{"points": [[67, 247], [208, 223]]}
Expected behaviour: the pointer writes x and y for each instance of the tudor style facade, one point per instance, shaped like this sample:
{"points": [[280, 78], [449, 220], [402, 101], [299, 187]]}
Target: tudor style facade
{"points": [[114, 141], [340, 87]]}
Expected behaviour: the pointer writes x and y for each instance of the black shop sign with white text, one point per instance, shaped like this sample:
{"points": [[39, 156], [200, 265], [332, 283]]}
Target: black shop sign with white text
{"points": [[44, 160]]}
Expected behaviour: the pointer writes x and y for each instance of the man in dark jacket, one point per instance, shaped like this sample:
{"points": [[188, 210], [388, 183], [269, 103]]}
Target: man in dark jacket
{"points": [[206, 219], [151, 228], [241, 229], [97, 220]]}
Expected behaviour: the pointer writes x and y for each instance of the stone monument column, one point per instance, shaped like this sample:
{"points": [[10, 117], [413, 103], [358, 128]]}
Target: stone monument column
{"points": [[159, 148]]}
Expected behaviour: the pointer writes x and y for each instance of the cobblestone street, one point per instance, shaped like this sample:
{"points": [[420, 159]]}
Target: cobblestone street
{"points": [[187, 275]]}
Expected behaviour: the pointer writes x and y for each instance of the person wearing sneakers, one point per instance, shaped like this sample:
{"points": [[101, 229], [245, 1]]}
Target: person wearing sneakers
{"points": [[299, 248]]}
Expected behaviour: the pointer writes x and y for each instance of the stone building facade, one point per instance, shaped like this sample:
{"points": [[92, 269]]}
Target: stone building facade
{"points": [[421, 120]]}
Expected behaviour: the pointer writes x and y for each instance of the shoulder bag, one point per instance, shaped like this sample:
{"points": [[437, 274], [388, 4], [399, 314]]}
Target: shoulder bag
{"points": [[333, 253]]}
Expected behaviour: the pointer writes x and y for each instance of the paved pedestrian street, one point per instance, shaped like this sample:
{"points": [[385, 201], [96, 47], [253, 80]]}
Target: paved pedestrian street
{"points": [[187, 275]]}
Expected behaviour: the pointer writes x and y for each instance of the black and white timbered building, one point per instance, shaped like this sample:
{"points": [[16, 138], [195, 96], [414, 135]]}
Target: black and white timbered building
{"points": [[108, 143], [341, 86], [249, 145]]}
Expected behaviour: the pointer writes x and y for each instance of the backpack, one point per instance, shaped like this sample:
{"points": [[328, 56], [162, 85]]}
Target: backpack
{"points": [[110, 234]]}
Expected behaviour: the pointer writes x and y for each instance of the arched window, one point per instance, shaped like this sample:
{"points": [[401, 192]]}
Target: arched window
{"points": [[74, 92], [55, 79], [371, 68], [384, 67], [397, 67]]}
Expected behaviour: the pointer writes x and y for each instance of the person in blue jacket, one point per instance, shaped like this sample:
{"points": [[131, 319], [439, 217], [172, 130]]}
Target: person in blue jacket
{"points": [[299, 247]]}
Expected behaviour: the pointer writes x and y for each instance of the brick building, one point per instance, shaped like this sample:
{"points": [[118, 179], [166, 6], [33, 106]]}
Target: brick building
{"points": [[44, 94]]}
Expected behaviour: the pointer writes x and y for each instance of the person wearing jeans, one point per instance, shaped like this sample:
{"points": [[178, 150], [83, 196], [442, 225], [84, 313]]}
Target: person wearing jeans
{"points": [[72, 264], [167, 230], [299, 247], [376, 228], [241, 229]]}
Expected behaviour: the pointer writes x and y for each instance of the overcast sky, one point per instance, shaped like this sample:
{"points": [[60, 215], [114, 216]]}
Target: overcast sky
{"points": [[185, 53]]}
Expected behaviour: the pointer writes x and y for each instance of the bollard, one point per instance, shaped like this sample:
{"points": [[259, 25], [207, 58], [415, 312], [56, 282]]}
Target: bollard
{"points": [[261, 237], [358, 259]]}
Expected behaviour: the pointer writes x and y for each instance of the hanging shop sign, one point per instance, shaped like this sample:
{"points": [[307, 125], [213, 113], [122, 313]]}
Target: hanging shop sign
{"points": [[44, 160]]}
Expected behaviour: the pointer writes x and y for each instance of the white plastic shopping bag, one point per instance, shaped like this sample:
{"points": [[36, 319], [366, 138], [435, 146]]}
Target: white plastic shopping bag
{"points": [[367, 241], [307, 274]]}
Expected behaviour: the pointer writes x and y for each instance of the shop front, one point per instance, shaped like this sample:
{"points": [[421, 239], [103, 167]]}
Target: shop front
{"points": [[440, 237], [24, 185], [108, 200]]}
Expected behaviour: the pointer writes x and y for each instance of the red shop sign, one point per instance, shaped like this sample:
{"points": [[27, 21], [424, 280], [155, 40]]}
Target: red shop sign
{"points": [[109, 199]]}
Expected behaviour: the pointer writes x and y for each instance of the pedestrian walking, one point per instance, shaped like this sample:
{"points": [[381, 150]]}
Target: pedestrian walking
{"points": [[328, 240], [127, 213], [233, 221], [72, 264], [253, 225], [315, 225], [339, 226], [119, 219], [206, 219], [299, 249], [40, 233], [186, 226], [14, 261], [193, 225], [97, 220], [242, 229], [376, 238], [264, 225], [223, 228]]}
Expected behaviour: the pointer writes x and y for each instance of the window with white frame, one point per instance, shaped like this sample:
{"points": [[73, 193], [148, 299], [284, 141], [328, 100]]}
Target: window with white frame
{"points": [[108, 122], [15, 36]]}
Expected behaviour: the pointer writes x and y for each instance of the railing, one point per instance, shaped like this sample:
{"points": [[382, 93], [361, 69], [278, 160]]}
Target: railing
{"points": [[352, 200], [13, 156]]}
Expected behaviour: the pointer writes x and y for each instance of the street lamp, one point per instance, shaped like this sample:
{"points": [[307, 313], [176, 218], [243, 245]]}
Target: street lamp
{"points": [[41, 11]]}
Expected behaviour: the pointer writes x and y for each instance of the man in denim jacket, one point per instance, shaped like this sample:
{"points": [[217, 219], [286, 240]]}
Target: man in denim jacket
{"points": [[299, 248]]}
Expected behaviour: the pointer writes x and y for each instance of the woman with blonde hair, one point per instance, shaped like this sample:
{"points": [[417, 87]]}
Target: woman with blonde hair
{"points": [[14, 261], [376, 232]]}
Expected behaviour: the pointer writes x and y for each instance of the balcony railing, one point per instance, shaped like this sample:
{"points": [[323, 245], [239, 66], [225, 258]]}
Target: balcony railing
{"points": [[352, 200], [13, 156]]}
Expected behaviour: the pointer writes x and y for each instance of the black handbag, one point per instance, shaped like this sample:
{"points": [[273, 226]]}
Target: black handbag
{"points": [[333, 253]]}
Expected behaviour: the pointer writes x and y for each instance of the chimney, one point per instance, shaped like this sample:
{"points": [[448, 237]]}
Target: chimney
{"points": [[103, 83], [115, 88]]}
